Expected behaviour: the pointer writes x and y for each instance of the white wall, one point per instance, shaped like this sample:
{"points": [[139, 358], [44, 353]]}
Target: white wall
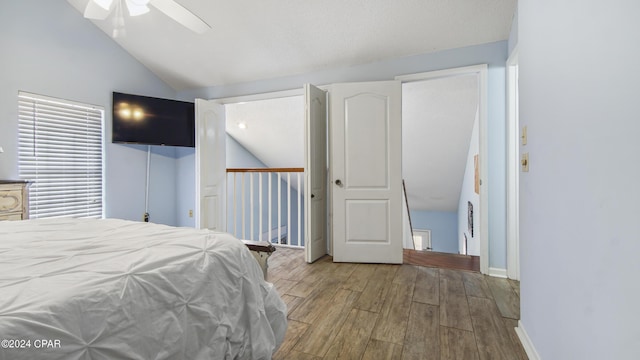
{"points": [[493, 54], [579, 226], [468, 193], [48, 48]]}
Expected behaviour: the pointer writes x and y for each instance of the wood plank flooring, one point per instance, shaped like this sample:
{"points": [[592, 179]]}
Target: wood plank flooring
{"points": [[367, 311]]}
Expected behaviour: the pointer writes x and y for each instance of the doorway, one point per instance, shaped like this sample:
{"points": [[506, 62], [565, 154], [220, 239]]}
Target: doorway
{"points": [[480, 71], [452, 206]]}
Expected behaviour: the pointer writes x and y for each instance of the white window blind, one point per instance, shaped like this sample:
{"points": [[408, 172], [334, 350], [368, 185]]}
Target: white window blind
{"points": [[60, 150]]}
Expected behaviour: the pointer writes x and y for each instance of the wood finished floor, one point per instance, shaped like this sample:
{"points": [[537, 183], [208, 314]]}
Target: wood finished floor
{"points": [[367, 311]]}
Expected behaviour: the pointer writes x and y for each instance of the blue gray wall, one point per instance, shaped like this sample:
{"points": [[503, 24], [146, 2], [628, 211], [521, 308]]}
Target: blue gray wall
{"points": [[579, 225], [48, 48], [185, 186], [443, 226]]}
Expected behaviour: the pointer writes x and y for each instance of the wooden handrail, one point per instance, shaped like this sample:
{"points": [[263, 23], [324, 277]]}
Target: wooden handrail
{"points": [[268, 170]]}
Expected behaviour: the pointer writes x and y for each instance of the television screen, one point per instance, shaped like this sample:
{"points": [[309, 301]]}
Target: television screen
{"points": [[152, 121]]}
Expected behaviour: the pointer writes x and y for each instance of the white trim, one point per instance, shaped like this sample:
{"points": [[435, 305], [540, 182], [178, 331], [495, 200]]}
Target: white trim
{"points": [[267, 96], [262, 96], [497, 272], [439, 74], [527, 344], [481, 71], [513, 169]]}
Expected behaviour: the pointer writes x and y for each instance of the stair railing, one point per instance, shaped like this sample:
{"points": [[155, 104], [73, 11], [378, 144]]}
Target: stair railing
{"points": [[258, 209]]}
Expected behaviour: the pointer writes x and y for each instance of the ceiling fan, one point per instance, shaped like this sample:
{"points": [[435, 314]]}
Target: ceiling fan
{"points": [[100, 9]]}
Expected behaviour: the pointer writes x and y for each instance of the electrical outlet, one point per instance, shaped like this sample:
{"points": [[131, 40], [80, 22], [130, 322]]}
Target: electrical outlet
{"points": [[190, 213]]}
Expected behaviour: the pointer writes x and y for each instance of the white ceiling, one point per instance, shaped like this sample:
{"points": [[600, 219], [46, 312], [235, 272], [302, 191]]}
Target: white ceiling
{"points": [[274, 130], [261, 39], [437, 122]]}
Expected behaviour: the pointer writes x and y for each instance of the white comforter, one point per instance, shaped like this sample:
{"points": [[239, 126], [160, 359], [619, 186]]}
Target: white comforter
{"points": [[114, 289]]}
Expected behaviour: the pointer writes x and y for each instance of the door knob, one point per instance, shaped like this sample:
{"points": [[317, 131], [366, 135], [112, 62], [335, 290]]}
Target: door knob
{"points": [[338, 182]]}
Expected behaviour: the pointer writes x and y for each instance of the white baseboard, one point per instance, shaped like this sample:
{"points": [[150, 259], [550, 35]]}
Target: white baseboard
{"points": [[526, 342], [496, 272]]}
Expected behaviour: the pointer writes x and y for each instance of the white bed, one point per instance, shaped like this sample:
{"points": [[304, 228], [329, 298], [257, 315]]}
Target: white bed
{"points": [[115, 289]]}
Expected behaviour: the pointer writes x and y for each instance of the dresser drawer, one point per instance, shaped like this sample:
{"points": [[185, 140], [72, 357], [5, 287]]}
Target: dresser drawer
{"points": [[14, 200], [14, 216], [10, 200]]}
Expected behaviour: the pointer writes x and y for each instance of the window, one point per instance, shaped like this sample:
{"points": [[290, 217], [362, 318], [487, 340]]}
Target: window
{"points": [[60, 151]]}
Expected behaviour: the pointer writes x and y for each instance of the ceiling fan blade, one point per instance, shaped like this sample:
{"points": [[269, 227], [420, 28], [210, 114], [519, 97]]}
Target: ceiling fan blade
{"points": [[180, 14], [97, 12]]}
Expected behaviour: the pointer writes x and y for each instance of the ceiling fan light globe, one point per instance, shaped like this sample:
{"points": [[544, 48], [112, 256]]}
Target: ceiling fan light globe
{"points": [[105, 4], [135, 10]]}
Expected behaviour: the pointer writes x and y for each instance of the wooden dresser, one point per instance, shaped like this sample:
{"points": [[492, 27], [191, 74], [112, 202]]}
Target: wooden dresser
{"points": [[14, 200]]}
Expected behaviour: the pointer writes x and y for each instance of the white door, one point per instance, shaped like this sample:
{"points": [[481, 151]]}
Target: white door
{"points": [[211, 166], [366, 163], [315, 168]]}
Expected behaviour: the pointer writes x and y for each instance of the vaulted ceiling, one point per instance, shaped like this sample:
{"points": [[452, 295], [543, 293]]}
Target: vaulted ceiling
{"points": [[252, 40], [437, 122], [261, 39]]}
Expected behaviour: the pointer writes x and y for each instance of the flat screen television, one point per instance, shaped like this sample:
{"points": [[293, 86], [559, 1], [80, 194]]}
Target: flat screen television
{"points": [[152, 121]]}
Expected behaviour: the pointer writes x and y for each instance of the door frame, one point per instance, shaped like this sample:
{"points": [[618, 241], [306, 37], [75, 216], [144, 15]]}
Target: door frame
{"points": [[513, 168], [277, 95], [481, 71]]}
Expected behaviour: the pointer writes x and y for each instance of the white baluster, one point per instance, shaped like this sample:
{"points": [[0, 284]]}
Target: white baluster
{"points": [[289, 208], [242, 207], [299, 210], [235, 204], [279, 207], [270, 225], [251, 202], [260, 206]]}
